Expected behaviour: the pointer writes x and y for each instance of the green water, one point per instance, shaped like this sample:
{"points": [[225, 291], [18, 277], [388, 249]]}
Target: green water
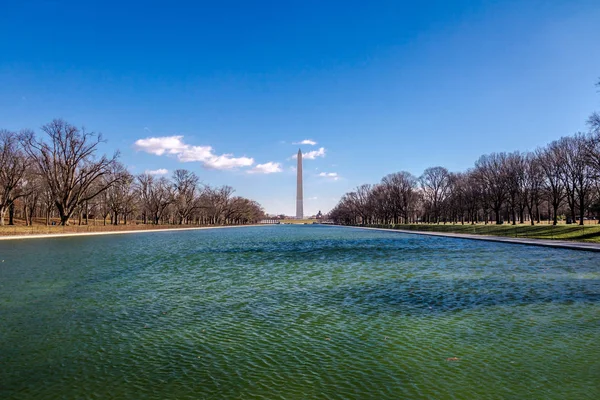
{"points": [[296, 312]]}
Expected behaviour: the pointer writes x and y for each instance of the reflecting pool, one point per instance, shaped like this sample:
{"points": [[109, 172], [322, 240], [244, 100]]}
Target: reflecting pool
{"points": [[296, 312]]}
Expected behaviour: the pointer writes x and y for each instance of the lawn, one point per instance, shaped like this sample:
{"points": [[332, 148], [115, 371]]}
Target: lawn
{"points": [[586, 233]]}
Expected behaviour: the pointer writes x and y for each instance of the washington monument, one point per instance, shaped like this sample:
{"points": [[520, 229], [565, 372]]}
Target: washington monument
{"points": [[299, 191]]}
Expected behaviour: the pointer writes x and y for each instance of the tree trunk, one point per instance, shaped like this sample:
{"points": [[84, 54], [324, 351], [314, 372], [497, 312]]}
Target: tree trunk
{"points": [[64, 217], [64, 220], [497, 212], [522, 215], [581, 209], [11, 214], [532, 217], [571, 202]]}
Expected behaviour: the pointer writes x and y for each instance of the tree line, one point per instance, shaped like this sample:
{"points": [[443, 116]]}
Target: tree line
{"points": [[60, 176], [559, 179]]}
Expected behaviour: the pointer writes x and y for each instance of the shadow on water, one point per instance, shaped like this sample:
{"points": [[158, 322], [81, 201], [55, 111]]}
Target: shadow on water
{"points": [[402, 298]]}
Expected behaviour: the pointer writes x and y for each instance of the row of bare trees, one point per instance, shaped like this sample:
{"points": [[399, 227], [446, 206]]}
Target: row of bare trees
{"points": [[562, 178], [60, 175]]}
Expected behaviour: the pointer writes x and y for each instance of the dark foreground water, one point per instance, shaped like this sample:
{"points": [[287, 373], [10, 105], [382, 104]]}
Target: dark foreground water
{"points": [[302, 312]]}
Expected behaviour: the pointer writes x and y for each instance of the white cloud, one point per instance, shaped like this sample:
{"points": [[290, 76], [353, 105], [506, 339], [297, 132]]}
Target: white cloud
{"points": [[306, 141], [160, 171], [195, 153], [206, 156], [266, 168], [174, 145], [161, 145], [311, 155], [226, 161], [330, 175]]}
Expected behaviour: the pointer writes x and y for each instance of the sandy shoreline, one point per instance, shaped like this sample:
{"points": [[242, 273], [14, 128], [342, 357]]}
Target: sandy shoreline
{"points": [[55, 235], [560, 244]]}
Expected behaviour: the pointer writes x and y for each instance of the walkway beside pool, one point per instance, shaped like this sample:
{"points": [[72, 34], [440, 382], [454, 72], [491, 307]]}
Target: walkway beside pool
{"points": [[72, 234]]}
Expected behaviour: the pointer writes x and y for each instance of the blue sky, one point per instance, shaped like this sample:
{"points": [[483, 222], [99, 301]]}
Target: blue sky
{"points": [[226, 88]]}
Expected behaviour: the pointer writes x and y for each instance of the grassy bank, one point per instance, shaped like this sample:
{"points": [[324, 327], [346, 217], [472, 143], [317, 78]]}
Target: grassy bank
{"points": [[586, 233], [19, 230]]}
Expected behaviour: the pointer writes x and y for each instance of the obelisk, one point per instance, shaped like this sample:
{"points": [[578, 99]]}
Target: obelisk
{"points": [[299, 191]]}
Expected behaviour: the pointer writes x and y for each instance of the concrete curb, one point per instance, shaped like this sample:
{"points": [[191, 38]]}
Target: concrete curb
{"points": [[56, 235]]}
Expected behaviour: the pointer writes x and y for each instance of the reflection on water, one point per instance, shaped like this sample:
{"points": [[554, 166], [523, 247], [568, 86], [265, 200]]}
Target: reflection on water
{"points": [[296, 312]]}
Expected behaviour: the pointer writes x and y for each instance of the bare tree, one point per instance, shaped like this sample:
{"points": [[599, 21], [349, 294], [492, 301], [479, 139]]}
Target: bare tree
{"points": [[120, 195], [384, 211], [533, 181], [68, 165], [103, 206], [435, 185], [400, 190], [13, 165], [361, 201], [156, 195], [457, 198], [243, 211], [491, 171], [576, 172], [473, 195], [515, 175], [343, 212], [33, 190], [216, 203], [185, 185], [550, 162]]}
